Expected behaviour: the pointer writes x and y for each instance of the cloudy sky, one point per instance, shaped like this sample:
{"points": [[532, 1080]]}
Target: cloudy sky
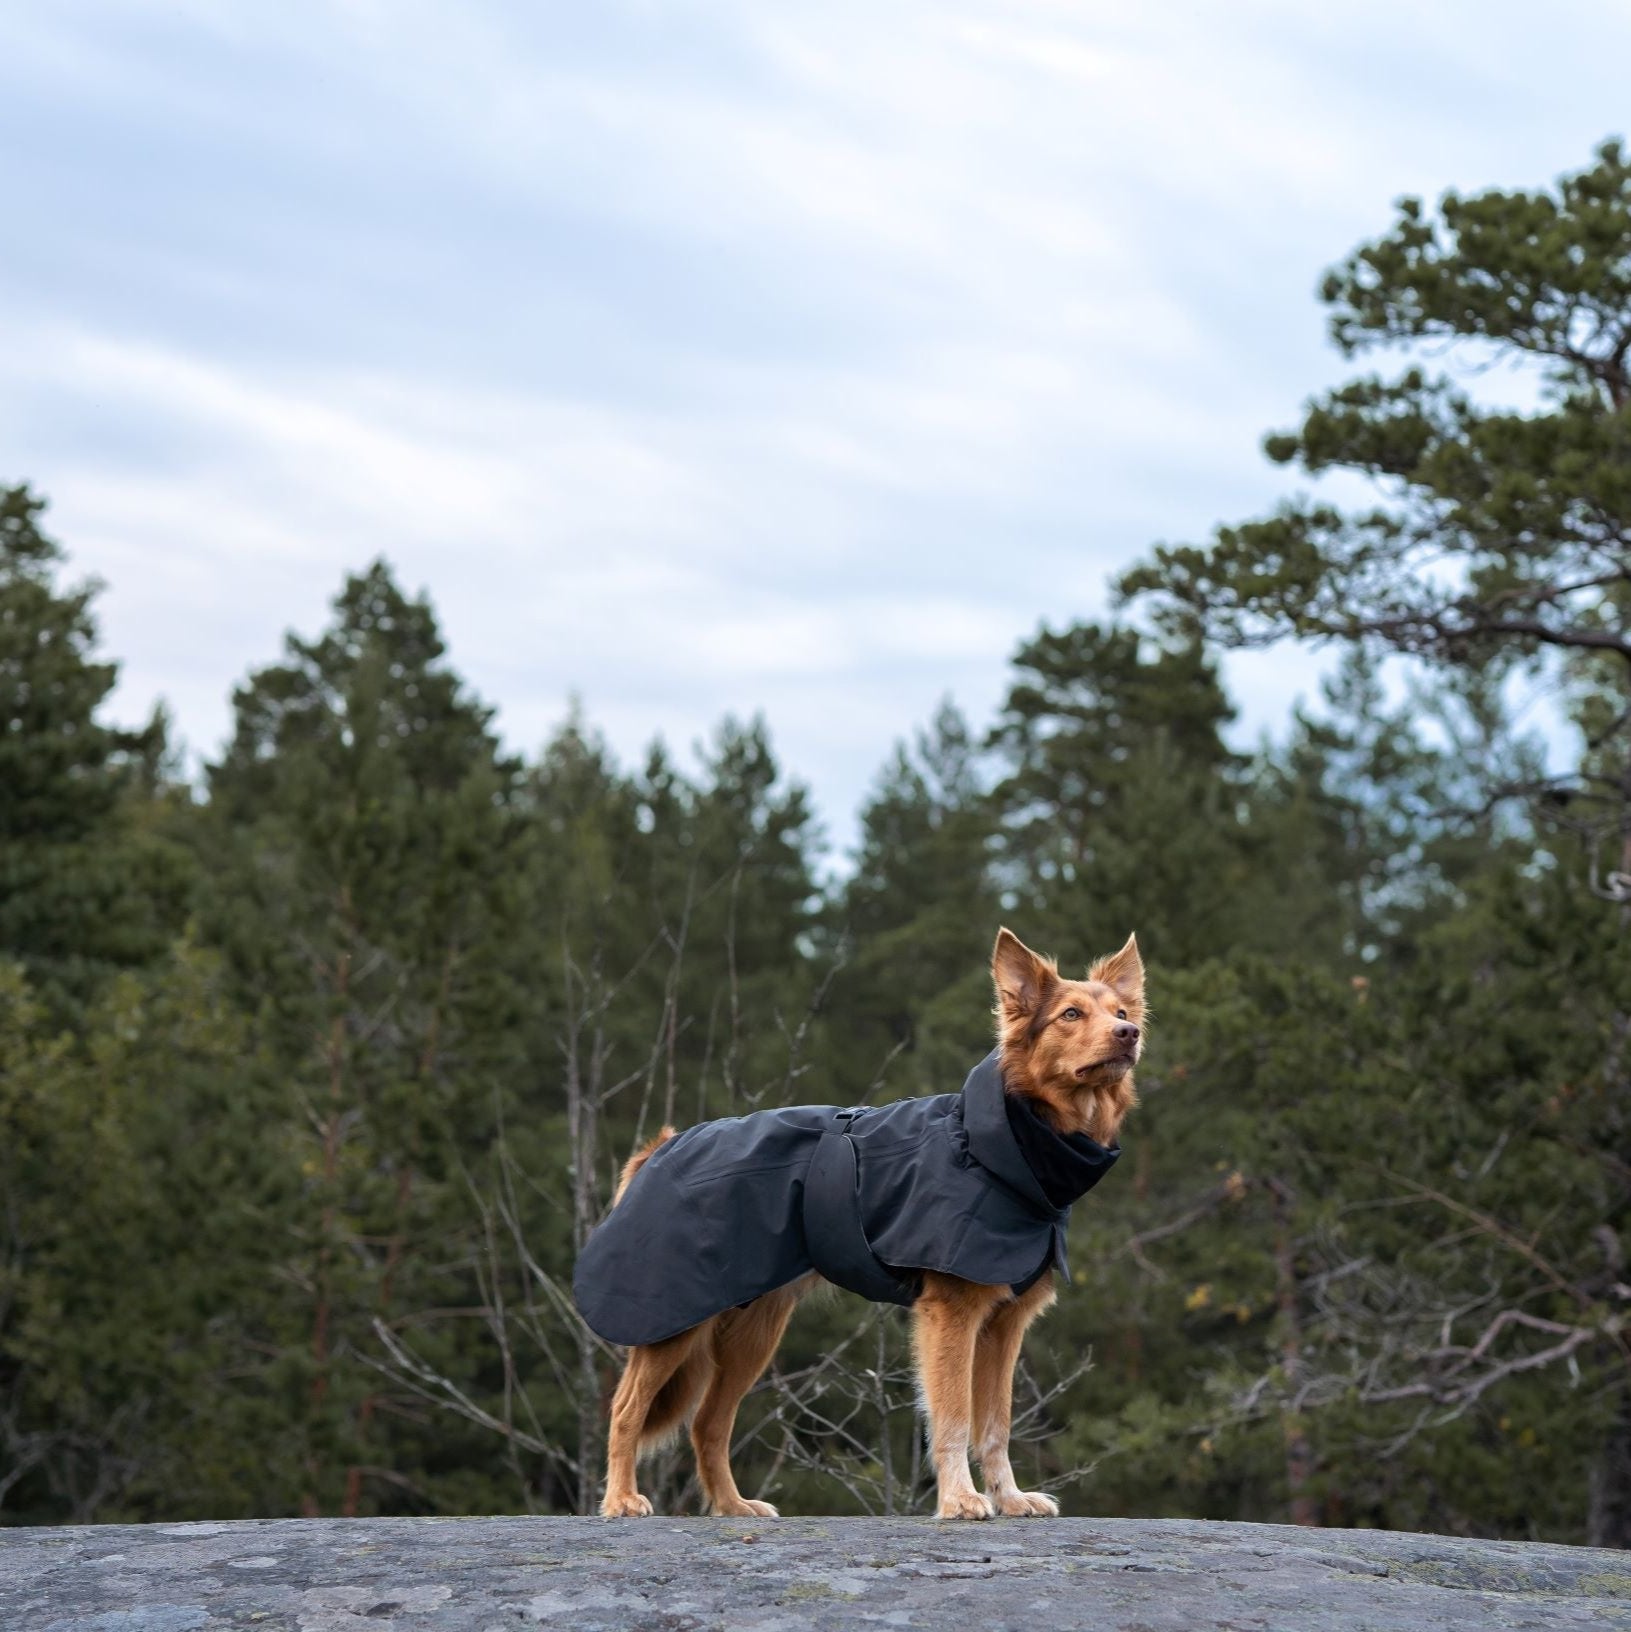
{"points": [[701, 358]]}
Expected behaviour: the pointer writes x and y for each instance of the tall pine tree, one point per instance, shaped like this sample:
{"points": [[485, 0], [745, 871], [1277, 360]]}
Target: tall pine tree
{"points": [[84, 890]]}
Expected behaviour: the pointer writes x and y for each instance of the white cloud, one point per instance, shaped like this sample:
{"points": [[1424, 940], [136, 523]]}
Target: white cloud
{"points": [[701, 357]]}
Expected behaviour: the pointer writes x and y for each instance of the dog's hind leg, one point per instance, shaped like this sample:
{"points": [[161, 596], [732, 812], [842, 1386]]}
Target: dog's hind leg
{"points": [[996, 1352], [948, 1317], [743, 1342], [659, 1386]]}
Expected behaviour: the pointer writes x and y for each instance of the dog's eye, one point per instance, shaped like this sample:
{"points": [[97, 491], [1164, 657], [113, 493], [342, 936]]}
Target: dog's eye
{"points": [[1121, 1014], [1071, 1014]]}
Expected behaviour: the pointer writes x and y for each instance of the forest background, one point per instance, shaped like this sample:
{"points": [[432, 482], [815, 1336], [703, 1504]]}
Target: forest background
{"points": [[315, 1074]]}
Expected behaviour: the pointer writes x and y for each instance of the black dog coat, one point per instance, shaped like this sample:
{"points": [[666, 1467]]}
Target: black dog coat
{"points": [[974, 1184]]}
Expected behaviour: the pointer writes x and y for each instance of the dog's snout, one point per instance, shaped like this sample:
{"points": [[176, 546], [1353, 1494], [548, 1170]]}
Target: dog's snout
{"points": [[1124, 1031]]}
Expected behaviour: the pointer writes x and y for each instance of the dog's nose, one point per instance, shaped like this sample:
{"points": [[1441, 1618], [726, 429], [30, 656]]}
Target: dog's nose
{"points": [[1124, 1031]]}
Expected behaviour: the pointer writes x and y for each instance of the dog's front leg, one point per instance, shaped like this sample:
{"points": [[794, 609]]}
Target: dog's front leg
{"points": [[995, 1355], [949, 1314]]}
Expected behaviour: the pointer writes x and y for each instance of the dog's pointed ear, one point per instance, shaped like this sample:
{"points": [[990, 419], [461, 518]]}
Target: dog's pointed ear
{"points": [[1021, 977], [1123, 970]]}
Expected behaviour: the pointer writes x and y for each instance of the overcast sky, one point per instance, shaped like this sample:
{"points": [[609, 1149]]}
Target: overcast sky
{"points": [[794, 355]]}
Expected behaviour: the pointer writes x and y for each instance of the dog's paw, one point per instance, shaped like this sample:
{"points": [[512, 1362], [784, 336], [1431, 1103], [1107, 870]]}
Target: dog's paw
{"points": [[744, 1507], [1027, 1504], [966, 1504], [632, 1506]]}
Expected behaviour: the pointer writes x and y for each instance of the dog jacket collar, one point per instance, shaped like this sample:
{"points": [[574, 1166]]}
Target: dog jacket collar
{"points": [[868, 1197], [1066, 1165]]}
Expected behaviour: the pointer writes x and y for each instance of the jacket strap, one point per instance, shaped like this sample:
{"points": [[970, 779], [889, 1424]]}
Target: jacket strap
{"points": [[833, 1236]]}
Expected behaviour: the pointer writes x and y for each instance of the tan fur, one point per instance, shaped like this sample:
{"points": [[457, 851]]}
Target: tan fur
{"points": [[1061, 1047], [1078, 1074], [639, 1160]]}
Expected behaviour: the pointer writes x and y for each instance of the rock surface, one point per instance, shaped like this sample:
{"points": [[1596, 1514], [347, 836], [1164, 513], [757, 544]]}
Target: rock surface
{"points": [[675, 1575]]}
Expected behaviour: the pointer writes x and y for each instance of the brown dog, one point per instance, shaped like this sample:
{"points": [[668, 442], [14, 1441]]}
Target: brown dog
{"points": [[1069, 1046]]}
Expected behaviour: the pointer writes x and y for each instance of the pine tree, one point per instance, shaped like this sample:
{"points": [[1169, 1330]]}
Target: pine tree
{"points": [[1110, 742], [918, 914], [364, 844], [83, 890], [1498, 545], [143, 1185], [1499, 537]]}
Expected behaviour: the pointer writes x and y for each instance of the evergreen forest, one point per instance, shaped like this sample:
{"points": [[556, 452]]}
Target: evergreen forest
{"points": [[317, 1067]]}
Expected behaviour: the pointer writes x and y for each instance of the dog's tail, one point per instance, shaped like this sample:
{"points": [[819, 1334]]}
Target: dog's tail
{"points": [[639, 1160]]}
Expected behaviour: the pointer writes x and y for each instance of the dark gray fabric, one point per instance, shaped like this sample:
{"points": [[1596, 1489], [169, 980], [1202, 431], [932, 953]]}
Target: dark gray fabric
{"points": [[1065, 1165], [834, 1236], [719, 1214]]}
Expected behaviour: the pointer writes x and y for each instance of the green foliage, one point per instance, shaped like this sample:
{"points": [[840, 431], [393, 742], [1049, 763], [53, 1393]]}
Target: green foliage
{"points": [[344, 1159], [1499, 536], [917, 917], [363, 832], [140, 1175], [1500, 541], [84, 889], [1105, 742], [289, 1199]]}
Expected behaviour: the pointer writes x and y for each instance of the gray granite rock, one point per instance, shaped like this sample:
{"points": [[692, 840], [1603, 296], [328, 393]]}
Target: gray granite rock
{"points": [[685, 1575]]}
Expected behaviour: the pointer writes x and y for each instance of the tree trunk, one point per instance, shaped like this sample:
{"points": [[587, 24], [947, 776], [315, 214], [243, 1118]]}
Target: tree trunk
{"points": [[322, 1312], [1299, 1453], [1608, 1500], [583, 1130]]}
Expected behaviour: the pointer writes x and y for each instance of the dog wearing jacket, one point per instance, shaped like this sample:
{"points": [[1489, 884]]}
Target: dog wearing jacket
{"points": [[954, 1205]]}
